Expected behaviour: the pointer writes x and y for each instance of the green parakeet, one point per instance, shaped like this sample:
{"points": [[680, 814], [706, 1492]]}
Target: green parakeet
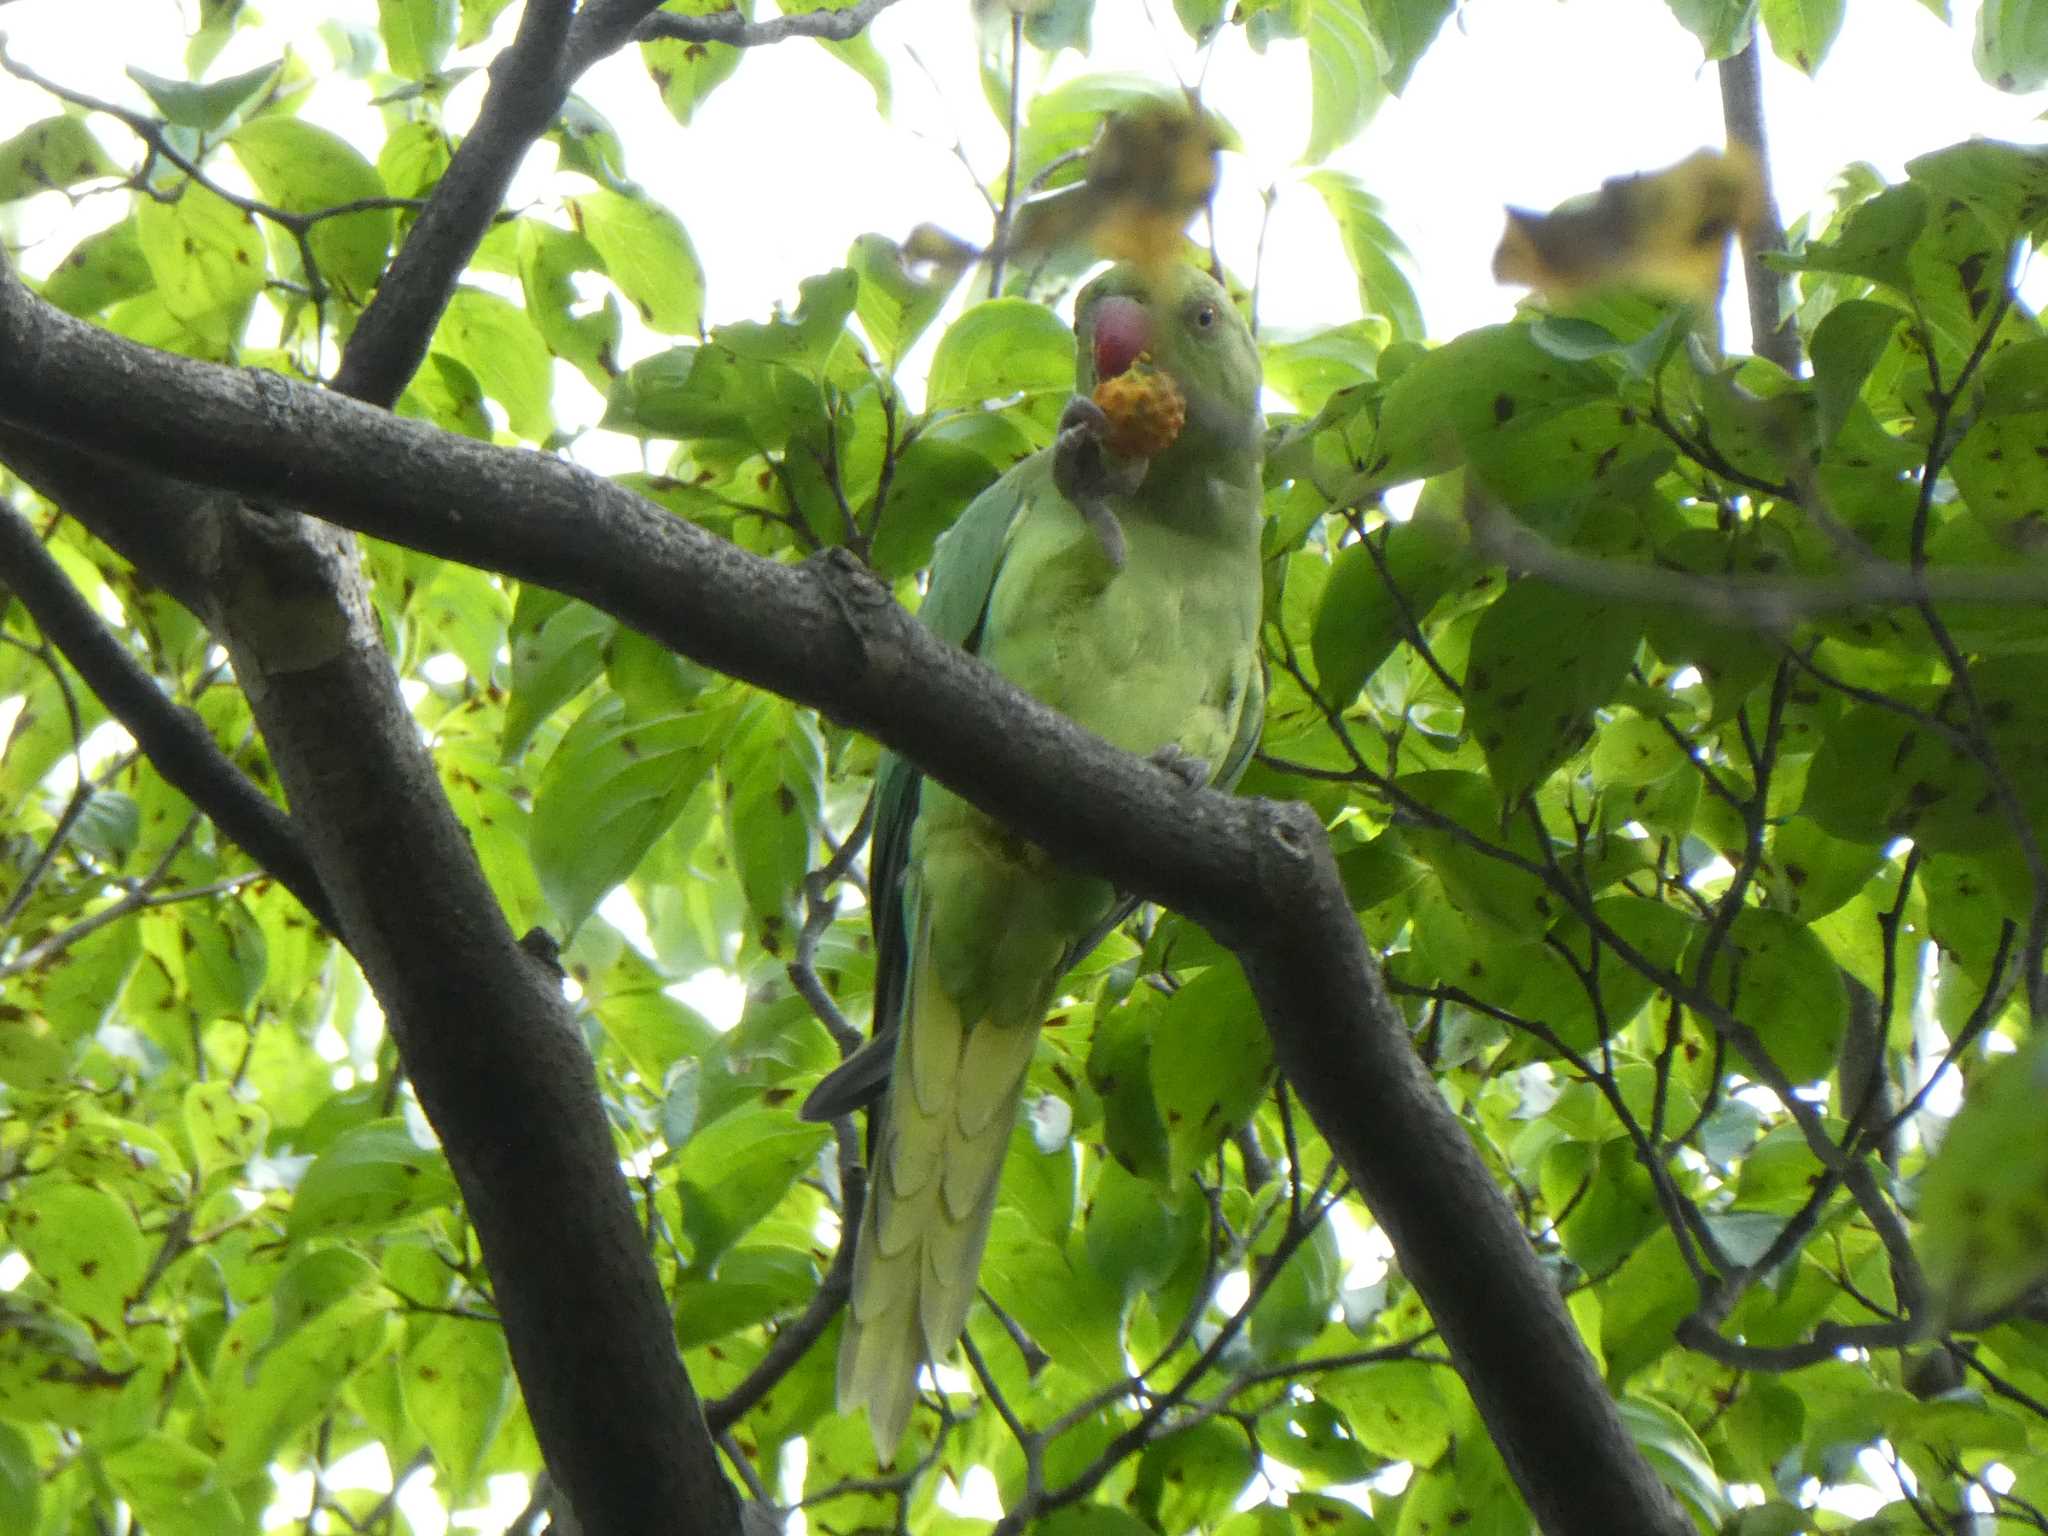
{"points": [[1126, 594]]}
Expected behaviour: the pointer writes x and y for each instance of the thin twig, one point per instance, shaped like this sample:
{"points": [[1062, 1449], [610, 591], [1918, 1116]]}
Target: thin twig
{"points": [[998, 245], [1742, 114]]}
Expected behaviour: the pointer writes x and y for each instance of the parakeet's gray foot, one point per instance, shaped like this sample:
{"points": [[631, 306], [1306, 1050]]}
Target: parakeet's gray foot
{"points": [[1183, 765], [1087, 475]]}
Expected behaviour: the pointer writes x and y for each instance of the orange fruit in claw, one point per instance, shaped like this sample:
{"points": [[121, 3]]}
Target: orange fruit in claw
{"points": [[1146, 411]]}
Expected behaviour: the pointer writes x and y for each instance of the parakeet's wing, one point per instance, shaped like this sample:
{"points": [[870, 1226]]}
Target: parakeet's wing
{"points": [[963, 574]]}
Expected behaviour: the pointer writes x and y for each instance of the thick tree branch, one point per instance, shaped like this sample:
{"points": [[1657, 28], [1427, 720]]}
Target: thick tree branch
{"points": [[1773, 605], [1742, 114], [1260, 876], [735, 31], [155, 523], [177, 743], [529, 83]]}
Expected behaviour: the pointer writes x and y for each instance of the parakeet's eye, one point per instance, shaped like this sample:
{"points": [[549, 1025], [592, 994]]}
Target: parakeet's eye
{"points": [[1206, 316]]}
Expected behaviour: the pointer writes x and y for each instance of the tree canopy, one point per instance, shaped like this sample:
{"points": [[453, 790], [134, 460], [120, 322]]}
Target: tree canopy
{"points": [[1589, 1079]]}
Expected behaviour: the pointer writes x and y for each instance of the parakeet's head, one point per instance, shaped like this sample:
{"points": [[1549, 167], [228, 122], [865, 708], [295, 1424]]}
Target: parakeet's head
{"points": [[1179, 321]]}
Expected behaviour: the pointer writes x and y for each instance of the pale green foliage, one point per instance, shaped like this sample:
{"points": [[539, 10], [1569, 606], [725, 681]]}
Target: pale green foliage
{"points": [[1637, 864]]}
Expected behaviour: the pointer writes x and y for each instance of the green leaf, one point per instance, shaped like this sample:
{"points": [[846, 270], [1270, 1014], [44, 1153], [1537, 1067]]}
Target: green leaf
{"points": [[1376, 252], [1310, 367], [1297, 1305], [102, 269], [1778, 979], [648, 254], [610, 789], [205, 107], [413, 159], [773, 768], [1802, 31], [549, 259], [1845, 347], [1667, 1441], [1218, 1069], [754, 1282], [259, 1401], [1722, 26], [1876, 239], [1378, 588], [557, 647], [805, 340], [1543, 659], [1468, 1490], [1934, 789], [713, 394], [173, 1487], [495, 341], [1091, 1520], [1405, 29], [736, 1170], [78, 996], [225, 961], [1460, 392], [1069, 1310], [206, 257], [417, 34], [223, 1128], [478, 17], [1489, 890], [2011, 49], [456, 1378], [1345, 61], [1137, 1234], [369, 1179], [2001, 464], [686, 73], [305, 169], [1394, 1408], [21, 1484], [1313, 1437], [1120, 1071], [1267, 21], [1199, 18], [1819, 871], [83, 1243], [859, 53], [1984, 1198], [1610, 1201], [314, 1282], [895, 307], [999, 349], [56, 152], [1188, 1480], [934, 480]]}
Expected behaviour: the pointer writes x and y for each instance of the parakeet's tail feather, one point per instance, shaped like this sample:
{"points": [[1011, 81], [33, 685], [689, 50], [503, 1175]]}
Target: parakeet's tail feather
{"points": [[946, 1124]]}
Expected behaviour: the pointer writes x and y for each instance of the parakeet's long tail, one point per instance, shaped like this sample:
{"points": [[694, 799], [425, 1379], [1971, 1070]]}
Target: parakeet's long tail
{"points": [[951, 1106]]}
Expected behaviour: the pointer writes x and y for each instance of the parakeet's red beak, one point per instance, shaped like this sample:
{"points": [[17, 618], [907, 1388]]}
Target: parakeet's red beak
{"points": [[1122, 331]]}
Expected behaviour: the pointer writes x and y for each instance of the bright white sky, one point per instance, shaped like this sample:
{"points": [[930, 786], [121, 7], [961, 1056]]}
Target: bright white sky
{"points": [[1518, 101]]}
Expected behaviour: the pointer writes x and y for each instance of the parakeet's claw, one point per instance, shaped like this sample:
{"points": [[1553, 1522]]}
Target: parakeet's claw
{"points": [[1087, 475], [1096, 514], [1081, 467], [1183, 765]]}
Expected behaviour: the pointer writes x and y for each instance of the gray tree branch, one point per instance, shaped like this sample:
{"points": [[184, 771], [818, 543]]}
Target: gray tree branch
{"points": [[1742, 113], [1258, 875]]}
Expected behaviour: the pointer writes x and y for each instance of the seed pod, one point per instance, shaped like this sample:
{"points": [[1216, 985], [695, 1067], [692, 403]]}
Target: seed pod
{"points": [[1146, 411]]}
